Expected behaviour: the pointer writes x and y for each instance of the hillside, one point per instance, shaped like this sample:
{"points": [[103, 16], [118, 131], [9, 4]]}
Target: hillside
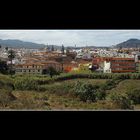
{"points": [[36, 93], [131, 43], [23, 44], [19, 44]]}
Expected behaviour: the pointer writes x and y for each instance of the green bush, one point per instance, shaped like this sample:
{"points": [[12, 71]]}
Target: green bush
{"points": [[122, 100], [87, 91], [60, 89], [51, 71], [109, 84], [100, 94], [25, 84], [134, 95], [114, 77]]}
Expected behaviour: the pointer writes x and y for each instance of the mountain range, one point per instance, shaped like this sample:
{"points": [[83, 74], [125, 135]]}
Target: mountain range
{"points": [[131, 43], [19, 44]]}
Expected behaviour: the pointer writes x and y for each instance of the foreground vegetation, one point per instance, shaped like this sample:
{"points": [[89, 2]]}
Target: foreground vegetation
{"points": [[70, 91]]}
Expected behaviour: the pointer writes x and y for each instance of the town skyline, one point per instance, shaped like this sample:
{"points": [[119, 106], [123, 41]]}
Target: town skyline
{"points": [[71, 37], [34, 76]]}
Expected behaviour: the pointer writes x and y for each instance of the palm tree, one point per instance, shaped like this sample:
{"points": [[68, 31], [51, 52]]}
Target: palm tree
{"points": [[11, 56]]}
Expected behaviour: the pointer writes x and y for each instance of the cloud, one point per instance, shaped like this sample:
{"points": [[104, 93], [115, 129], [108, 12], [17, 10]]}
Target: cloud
{"points": [[72, 37]]}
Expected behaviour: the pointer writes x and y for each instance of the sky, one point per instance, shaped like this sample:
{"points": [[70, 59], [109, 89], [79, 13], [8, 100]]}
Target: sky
{"points": [[72, 37]]}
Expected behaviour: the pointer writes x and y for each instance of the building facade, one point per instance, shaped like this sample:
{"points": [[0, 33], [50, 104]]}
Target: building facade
{"points": [[36, 68], [115, 64], [122, 65], [137, 66]]}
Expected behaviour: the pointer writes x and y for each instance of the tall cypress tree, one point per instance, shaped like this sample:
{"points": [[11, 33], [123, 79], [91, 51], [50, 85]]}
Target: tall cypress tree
{"points": [[63, 49], [52, 49]]}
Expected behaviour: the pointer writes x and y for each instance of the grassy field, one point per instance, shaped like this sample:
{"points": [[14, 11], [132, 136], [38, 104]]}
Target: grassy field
{"points": [[45, 101], [125, 86], [57, 95]]}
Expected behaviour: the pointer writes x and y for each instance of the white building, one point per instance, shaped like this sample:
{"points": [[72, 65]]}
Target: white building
{"points": [[104, 66], [107, 67]]}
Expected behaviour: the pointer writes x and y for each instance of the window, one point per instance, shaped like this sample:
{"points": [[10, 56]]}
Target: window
{"points": [[107, 70]]}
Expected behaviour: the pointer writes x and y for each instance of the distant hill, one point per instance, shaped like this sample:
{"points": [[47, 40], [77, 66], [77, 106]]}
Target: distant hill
{"points": [[19, 44], [131, 43], [23, 44], [14, 43], [89, 47]]}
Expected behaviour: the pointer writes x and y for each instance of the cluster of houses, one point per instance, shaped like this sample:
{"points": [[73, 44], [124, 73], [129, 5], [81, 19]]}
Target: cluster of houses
{"points": [[39, 61], [35, 61], [117, 64]]}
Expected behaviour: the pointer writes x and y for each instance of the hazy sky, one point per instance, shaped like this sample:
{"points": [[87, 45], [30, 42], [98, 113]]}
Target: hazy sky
{"points": [[72, 37]]}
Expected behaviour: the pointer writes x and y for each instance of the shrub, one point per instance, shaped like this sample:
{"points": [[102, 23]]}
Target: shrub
{"points": [[109, 84], [51, 71], [26, 84], [100, 94], [3, 67], [122, 100], [86, 91], [6, 97], [41, 88], [134, 95], [60, 89]]}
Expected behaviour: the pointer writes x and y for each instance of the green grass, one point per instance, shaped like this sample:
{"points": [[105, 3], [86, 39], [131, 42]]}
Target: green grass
{"points": [[44, 101], [57, 94], [126, 86]]}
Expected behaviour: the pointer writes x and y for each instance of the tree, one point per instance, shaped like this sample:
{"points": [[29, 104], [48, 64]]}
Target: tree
{"points": [[52, 49], [67, 51], [51, 71], [3, 67], [6, 48], [11, 56], [48, 48], [63, 50], [86, 91]]}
